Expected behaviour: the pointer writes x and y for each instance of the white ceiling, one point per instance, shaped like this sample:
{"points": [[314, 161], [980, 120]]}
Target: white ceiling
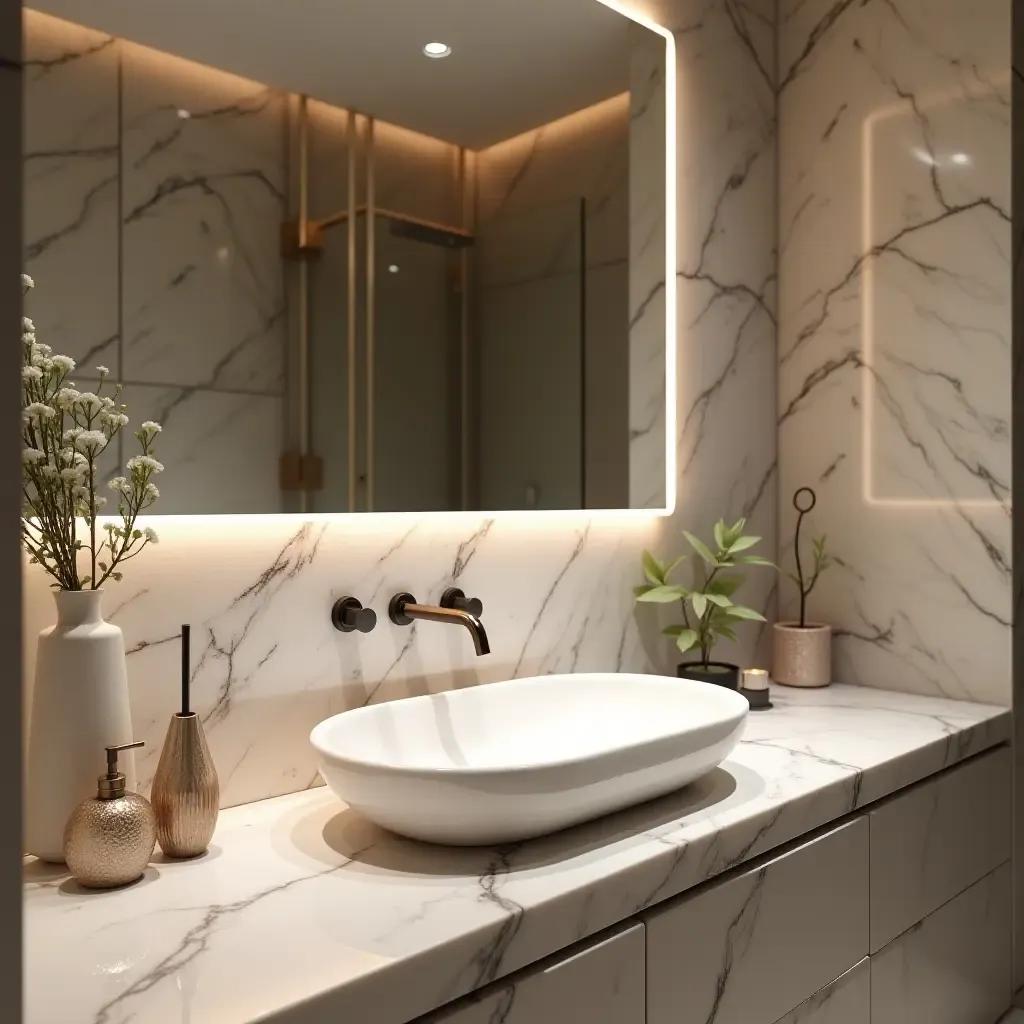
{"points": [[515, 64]]}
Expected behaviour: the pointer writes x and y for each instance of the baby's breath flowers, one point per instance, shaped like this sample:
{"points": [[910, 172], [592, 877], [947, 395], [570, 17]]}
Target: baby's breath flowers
{"points": [[64, 433]]}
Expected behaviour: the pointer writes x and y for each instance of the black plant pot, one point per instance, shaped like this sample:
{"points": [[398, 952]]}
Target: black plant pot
{"points": [[721, 673]]}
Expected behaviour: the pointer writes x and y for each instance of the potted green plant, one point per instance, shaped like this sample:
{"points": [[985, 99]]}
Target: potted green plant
{"points": [[709, 612], [803, 650]]}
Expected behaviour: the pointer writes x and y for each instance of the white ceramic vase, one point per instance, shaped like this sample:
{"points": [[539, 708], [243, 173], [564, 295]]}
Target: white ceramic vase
{"points": [[79, 706]]}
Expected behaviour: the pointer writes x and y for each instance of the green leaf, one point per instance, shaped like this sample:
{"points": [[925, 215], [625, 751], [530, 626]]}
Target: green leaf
{"points": [[662, 595], [724, 585], [672, 630], [737, 611], [736, 530], [701, 548], [687, 639], [700, 603], [638, 592], [755, 560], [653, 569], [720, 538], [742, 543], [719, 599], [727, 632]]}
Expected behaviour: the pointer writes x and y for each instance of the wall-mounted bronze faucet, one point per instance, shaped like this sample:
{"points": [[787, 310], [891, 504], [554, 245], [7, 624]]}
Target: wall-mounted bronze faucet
{"points": [[455, 608]]}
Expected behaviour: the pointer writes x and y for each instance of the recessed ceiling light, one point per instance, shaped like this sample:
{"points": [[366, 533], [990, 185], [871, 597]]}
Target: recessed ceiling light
{"points": [[393, 269], [437, 50], [960, 159]]}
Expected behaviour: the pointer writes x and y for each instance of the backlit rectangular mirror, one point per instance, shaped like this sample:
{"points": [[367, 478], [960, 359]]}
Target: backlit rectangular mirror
{"points": [[374, 255]]}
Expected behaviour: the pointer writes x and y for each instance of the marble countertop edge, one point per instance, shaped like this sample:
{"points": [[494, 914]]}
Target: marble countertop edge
{"points": [[304, 910]]}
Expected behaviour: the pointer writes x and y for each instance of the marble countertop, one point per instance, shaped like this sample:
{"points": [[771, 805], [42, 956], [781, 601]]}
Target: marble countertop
{"points": [[303, 911]]}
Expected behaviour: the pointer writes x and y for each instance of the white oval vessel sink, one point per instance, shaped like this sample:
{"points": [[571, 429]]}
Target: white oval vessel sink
{"points": [[507, 761]]}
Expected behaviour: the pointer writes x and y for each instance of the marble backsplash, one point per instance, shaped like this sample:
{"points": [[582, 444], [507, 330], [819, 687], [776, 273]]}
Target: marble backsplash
{"points": [[557, 589], [894, 342]]}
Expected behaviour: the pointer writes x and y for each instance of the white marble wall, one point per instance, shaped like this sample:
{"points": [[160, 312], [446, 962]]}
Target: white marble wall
{"points": [[258, 591], [1018, 488], [154, 190], [894, 361]]}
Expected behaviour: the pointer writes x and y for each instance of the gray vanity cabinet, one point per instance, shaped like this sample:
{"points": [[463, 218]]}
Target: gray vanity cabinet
{"points": [[749, 947], [846, 1001], [898, 915], [601, 983]]}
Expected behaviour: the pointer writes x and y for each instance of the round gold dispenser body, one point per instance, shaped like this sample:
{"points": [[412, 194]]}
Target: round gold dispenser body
{"points": [[109, 842]]}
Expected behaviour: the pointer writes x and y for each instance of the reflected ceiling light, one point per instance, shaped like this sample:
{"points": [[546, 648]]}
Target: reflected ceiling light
{"points": [[184, 114], [393, 269], [437, 50], [960, 159], [923, 155]]}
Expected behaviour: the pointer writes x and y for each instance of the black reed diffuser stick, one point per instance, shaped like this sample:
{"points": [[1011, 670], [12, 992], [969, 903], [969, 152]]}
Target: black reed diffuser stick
{"points": [[186, 666]]}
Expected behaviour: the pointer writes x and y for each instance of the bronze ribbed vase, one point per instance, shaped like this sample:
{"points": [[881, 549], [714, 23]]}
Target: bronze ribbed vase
{"points": [[186, 793]]}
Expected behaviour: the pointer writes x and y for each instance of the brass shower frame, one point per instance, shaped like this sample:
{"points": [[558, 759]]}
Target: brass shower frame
{"points": [[302, 240]]}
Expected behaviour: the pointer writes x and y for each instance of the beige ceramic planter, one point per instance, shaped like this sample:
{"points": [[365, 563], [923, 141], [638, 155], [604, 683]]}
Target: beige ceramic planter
{"points": [[803, 655]]}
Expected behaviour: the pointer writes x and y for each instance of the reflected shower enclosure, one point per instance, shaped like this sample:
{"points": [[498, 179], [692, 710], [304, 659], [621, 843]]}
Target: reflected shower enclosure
{"points": [[440, 341]]}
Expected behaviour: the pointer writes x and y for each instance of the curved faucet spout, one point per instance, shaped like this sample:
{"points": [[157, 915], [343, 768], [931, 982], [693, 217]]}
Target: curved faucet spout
{"points": [[404, 609]]}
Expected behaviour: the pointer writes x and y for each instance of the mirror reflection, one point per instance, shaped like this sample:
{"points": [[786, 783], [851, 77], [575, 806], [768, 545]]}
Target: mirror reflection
{"points": [[392, 255]]}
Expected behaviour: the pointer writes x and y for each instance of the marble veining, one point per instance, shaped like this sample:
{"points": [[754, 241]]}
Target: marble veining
{"points": [[203, 168], [381, 929], [71, 154], [557, 591], [894, 342]]}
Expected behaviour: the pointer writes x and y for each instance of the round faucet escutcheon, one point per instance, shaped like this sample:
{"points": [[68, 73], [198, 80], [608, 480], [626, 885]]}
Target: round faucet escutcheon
{"points": [[455, 598], [349, 615]]}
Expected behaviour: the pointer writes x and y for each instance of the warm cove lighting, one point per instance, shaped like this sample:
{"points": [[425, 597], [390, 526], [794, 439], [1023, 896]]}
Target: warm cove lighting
{"points": [[437, 50], [869, 262]]}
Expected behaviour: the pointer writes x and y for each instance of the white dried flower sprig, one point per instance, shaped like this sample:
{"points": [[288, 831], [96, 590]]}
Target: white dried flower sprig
{"points": [[65, 432]]}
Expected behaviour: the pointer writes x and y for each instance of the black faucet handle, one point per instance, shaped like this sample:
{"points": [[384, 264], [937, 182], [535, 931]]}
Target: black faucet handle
{"points": [[455, 598], [348, 615]]}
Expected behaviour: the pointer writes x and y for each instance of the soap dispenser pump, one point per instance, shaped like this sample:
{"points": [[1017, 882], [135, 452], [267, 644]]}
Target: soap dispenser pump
{"points": [[109, 840]]}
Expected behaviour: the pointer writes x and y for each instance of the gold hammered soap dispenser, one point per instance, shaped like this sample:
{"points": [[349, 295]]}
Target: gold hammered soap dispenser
{"points": [[109, 840]]}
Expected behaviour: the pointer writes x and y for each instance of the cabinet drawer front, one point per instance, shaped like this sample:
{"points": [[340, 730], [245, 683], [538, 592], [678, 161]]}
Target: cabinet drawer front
{"points": [[748, 949], [953, 967], [601, 984], [846, 1001], [936, 839]]}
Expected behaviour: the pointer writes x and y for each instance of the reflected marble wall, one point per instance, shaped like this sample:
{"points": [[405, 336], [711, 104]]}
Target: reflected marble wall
{"points": [[153, 191], [71, 157], [551, 268], [894, 377], [557, 591], [646, 271]]}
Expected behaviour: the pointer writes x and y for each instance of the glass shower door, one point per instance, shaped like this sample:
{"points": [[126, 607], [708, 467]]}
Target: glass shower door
{"points": [[528, 347]]}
